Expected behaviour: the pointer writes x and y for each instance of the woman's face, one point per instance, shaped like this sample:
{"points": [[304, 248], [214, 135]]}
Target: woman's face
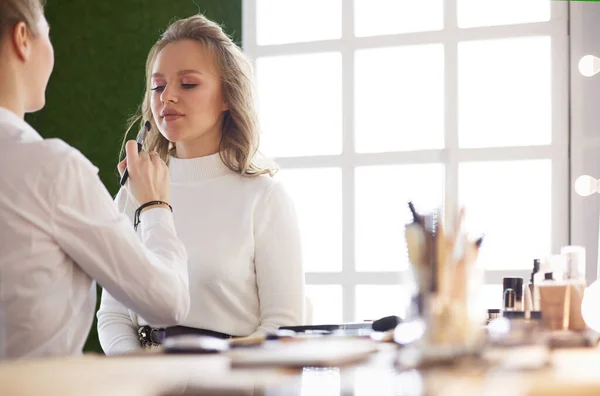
{"points": [[39, 66], [186, 99]]}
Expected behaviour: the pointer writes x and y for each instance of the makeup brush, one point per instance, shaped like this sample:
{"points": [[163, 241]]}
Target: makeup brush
{"points": [[140, 142], [417, 218]]}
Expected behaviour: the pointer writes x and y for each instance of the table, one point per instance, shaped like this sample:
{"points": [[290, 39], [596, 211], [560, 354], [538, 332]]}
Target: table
{"points": [[573, 372]]}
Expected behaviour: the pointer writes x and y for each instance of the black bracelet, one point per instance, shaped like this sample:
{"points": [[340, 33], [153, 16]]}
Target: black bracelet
{"points": [[136, 217]]}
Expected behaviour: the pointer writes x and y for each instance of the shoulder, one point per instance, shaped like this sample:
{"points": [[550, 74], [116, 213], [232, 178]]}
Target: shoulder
{"points": [[48, 151], [266, 186], [52, 157], [61, 154], [272, 194]]}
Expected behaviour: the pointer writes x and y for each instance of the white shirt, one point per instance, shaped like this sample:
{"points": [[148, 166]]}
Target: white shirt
{"points": [[60, 231], [245, 262]]}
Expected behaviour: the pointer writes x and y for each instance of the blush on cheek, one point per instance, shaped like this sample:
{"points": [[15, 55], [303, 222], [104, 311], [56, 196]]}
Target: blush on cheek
{"points": [[154, 103], [155, 110]]}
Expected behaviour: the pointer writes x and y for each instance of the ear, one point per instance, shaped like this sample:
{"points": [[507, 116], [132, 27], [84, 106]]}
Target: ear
{"points": [[21, 39], [225, 106]]}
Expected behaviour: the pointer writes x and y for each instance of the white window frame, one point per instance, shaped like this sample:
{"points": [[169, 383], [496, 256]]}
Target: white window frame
{"points": [[451, 155]]}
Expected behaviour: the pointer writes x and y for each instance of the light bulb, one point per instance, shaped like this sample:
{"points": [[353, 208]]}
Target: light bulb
{"points": [[589, 65], [586, 185]]}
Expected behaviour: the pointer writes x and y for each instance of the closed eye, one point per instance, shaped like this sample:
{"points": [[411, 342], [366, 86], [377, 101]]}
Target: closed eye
{"points": [[161, 88]]}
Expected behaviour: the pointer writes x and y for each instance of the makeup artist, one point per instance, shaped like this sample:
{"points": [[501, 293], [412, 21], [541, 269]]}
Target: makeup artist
{"points": [[60, 228]]}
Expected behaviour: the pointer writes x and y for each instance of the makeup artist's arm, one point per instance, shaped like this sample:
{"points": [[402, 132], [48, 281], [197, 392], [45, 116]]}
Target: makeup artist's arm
{"points": [[117, 332], [278, 261], [151, 281]]}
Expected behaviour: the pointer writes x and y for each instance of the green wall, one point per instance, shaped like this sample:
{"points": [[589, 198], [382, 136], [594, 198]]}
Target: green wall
{"points": [[100, 50]]}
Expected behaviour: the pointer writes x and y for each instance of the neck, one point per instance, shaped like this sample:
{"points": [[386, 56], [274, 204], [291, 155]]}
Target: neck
{"points": [[207, 144], [10, 96]]}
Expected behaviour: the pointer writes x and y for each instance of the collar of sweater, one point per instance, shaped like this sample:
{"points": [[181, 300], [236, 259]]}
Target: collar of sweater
{"points": [[197, 169]]}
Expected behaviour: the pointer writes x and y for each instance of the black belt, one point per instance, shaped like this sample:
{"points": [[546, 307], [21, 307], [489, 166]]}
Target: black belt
{"points": [[149, 335]]}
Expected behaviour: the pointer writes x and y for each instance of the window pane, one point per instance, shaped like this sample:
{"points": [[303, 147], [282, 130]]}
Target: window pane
{"points": [[377, 301], [382, 195], [504, 92], [319, 215], [492, 296], [326, 301], [511, 203], [472, 13], [293, 21], [300, 104], [399, 98], [378, 17]]}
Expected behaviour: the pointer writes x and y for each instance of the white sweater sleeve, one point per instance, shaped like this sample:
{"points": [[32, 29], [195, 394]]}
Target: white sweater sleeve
{"points": [[150, 279], [278, 261], [116, 331]]}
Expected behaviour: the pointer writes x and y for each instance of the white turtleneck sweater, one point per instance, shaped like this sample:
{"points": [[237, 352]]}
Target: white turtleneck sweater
{"points": [[245, 266]]}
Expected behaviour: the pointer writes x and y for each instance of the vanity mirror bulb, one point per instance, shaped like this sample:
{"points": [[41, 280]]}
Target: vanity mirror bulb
{"points": [[589, 65]]}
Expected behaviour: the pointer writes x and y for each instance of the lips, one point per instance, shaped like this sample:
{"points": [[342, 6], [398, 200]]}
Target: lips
{"points": [[170, 115]]}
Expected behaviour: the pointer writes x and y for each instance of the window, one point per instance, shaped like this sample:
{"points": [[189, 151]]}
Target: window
{"points": [[366, 104]]}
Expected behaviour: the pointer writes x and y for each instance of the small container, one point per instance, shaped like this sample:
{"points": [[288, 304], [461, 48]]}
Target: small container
{"points": [[555, 303], [574, 262], [510, 298], [576, 321], [527, 301], [534, 279], [516, 284], [536, 268], [493, 313]]}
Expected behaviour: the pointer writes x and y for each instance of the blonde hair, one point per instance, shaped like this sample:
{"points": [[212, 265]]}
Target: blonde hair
{"points": [[238, 147], [15, 11]]}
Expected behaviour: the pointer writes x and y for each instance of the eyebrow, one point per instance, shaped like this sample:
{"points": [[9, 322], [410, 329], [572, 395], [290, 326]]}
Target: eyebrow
{"points": [[179, 73]]}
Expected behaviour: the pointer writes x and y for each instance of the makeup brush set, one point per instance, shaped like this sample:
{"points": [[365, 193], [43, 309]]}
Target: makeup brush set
{"points": [[447, 282]]}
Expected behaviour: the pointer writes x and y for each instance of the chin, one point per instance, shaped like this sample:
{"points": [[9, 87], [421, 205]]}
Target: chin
{"points": [[36, 106], [172, 134]]}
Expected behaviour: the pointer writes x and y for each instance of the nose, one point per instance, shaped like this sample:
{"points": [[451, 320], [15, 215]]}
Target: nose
{"points": [[168, 95]]}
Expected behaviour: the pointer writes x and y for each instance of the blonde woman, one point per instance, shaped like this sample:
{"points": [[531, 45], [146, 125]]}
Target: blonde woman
{"points": [[237, 223]]}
